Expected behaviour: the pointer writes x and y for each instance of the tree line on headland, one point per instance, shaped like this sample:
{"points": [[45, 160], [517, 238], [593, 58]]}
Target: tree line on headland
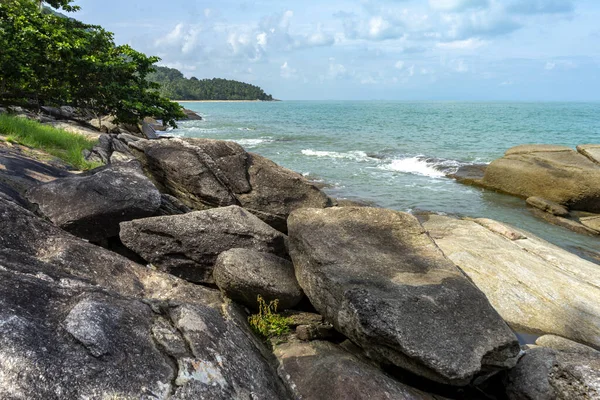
{"points": [[175, 86], [48, 59]]}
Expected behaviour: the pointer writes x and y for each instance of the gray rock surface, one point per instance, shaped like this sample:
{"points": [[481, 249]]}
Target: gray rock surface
{"points": [[170, 205], [548, 206], [561, 344], [78, 321], [91, 205], [535, 286], [188, 245], [591, 151], [546, 374], [206, 173], [555, 173], [322, 370], [244, 274], [377, 276]]}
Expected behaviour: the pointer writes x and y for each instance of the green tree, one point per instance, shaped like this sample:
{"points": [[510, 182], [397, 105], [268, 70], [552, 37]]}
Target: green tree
{"points": [[47, 59]]}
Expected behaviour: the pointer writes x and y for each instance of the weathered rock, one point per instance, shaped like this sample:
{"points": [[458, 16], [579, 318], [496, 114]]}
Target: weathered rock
{"points": [[591, 151], [244, 274], [469, 174], [92, 205], [205, 173], [546, 374], [561, 344], [105, 124], [277, 191], [555, 173], [570, 224], [548, 206], [591, 222], [75, 127], [73, 325], [378, 277], [319, 370], [170, 205], [316, 332], [9, 194], [535, 286], [188, 245], [191, 115]]}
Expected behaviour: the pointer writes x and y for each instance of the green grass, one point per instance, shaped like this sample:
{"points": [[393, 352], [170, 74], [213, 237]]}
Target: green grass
{"points": [[62, 144], [267, 323]]}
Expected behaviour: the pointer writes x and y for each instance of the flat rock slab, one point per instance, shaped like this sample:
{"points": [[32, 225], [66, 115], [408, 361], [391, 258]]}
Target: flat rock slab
{"points": [[591, 222], [187, 245], [91, 205], [378, 277], [243, 275], [537, 287], [548, 206], [555, 173], [323, 370]]}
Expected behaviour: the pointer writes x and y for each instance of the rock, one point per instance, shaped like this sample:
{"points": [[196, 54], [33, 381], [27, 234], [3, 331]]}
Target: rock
{"points": [[570, 224], [501, 229], [115, 328], [561, 344], [105, 124], [297, 318], [244, 274], [206, 173], [188, 245], [9, 194], [546, 374], [191, 115], [110, 149], [377, 276], [92, 205], [75, 127], [316, 332], [555, 173], [469, 174], [591, 222], [170, 205], [591, 151], [548, 206], [319, 370], [536, 287]]}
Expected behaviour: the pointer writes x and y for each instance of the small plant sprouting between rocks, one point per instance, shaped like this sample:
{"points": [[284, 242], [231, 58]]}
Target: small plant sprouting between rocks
{"points": [[267, 323]]}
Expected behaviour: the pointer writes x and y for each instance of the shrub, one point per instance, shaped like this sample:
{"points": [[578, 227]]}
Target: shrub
{"points": [[267, 323]]}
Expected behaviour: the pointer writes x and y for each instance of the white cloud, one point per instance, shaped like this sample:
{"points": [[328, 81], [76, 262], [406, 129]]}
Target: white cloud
{"points": [[467, 44], [456, 5], [399, 64], [336, 71], [559, 64], [287, 72]]}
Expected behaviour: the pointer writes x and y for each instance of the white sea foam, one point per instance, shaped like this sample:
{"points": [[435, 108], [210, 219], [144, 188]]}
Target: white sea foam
{"points": [[414, 165], [252, 142], [351, 155]]}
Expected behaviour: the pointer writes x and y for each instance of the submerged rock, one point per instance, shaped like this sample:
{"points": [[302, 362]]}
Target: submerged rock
{"points": [[206, 173], [535, 286], [319, 370], [378, 277], [188, 245], [244, 274], [555, 173], [92, 205]]}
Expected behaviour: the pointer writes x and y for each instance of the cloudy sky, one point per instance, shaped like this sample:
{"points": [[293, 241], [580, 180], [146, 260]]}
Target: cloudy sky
{"points": [[372, 49]]}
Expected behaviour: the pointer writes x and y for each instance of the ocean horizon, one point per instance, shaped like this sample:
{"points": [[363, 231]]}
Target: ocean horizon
{"points": [[396, 154]]}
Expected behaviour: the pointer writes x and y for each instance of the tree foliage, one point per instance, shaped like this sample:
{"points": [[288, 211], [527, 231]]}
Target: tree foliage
{"points": [[175, 86], [47, 59]]}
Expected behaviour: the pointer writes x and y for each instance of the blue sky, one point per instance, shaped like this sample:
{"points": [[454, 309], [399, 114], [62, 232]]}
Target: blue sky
{"points": [[372, 49]]}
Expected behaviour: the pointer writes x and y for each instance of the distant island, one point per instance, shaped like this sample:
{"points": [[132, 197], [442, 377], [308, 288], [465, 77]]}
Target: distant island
{"points": [[175, 86]]}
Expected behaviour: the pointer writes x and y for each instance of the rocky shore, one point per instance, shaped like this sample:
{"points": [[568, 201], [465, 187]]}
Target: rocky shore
{"points": [[135, 280]]}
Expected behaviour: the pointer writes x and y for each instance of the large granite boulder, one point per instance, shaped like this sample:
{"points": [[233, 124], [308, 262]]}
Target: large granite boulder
{"points": [[547, 374], [591, 151], [187, 245], [323, 370], [535, 286], [78, 321], [244, 274], [92, 205], [556, 173], [382, 282], [206, 173]]}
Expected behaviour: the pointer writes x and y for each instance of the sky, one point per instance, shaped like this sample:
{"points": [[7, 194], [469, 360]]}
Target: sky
{"points": [[510, 50]]}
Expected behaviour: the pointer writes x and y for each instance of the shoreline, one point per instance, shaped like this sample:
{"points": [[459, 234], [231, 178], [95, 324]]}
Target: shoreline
{"points": [[223, 101]]}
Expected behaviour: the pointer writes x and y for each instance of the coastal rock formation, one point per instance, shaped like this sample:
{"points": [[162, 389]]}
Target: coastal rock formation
{"points": [[382, 282], [205, 173], [548, 206], [110, 148], [318, 370], [188, 245], [244, 274], [591, 151], [548, 374], [91, 205], [78, 321], [535, 286], [555, 173]]}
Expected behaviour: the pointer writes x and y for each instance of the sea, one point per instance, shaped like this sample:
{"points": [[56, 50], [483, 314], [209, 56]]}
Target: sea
{"points": [[396, 154]]}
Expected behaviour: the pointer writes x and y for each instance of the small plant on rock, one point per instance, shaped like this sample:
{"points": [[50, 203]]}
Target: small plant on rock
{"points": [[267, 323]]}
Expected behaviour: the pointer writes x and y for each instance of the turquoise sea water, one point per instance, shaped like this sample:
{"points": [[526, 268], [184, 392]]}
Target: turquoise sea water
{"points": [[395, 154]]}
